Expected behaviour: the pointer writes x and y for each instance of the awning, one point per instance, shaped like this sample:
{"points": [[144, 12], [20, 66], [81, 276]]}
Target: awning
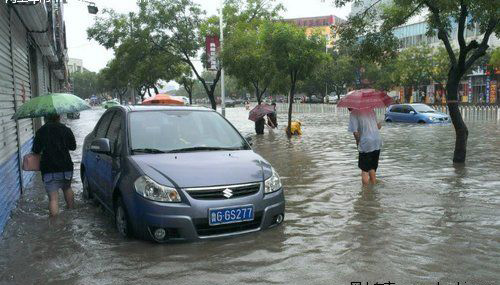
{"points": [[36, 19]]}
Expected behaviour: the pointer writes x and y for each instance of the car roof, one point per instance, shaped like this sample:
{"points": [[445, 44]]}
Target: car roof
{"points": [[138, 108]]}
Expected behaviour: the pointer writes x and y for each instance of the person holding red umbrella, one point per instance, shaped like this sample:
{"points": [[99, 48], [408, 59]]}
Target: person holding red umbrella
{"points": [[363, 124]]}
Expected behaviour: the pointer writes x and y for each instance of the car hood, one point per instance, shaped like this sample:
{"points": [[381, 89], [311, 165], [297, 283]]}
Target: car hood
{"points": [[201, 169]]}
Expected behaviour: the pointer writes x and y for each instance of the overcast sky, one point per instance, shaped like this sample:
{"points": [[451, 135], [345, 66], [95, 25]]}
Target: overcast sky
{"points": [[95, 56]]}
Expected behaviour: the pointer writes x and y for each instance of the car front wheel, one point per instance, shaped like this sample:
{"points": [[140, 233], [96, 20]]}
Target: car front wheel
{"points": [[121, 219], [388, 120], [86, 191]]}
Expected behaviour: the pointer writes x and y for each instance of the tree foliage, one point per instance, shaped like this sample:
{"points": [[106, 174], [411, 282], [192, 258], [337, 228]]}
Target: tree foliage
{"points": [[495, 58], [85, 83], [248, 59], [293, 54]]}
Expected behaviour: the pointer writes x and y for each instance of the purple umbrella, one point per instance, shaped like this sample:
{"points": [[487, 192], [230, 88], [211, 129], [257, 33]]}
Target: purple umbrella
{"points": [[260, 111]]}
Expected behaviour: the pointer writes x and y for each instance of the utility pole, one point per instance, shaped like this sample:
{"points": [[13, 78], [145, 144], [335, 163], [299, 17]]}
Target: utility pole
{"points": [[222, 91], [326, 51]]}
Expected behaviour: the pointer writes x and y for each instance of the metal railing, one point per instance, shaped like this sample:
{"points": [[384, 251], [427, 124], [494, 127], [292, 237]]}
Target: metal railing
{"points": [[470, 113]]}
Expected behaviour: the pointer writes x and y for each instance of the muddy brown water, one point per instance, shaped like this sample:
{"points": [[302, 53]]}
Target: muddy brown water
{"points": [[426, 221]]}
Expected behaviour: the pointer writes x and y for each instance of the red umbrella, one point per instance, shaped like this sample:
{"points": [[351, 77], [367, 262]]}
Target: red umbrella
{"points": [[365, 100], [260, 111], [163, 99]]}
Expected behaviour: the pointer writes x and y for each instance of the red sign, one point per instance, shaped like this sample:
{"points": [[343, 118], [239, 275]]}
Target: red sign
{"points": [[212, 45]]}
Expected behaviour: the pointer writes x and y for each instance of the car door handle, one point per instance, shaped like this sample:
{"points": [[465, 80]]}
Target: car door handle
{"points": [[98, 157]]}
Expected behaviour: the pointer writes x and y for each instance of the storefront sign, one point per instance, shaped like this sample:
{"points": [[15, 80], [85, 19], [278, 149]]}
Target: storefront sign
{"points": [[212, 45], [487, 89], [469, 93], [493, 92]]}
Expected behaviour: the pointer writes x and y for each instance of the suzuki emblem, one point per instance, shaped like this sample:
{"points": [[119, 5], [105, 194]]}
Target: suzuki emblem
{"points": [[228, 193]]}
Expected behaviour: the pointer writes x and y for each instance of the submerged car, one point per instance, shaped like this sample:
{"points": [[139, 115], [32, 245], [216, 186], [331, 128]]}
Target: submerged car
{"points": [[178, 173], [110, 103], [415, 113]]}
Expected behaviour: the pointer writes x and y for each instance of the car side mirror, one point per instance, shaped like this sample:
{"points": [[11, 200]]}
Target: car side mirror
{"points": [[413, 112], [249, 140], [100, 146]]}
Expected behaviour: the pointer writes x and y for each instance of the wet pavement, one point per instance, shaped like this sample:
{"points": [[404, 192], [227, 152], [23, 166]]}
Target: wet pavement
{"points": [[425, 222]]}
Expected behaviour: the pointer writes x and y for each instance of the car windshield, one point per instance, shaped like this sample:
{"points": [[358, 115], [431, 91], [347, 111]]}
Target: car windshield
{"points": [[182, 131], [423, 109]]}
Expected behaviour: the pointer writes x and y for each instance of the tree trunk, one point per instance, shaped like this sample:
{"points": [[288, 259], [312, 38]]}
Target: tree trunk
{"points": [[258, 95], [190, 98], [290, 105], [461, 130], [211, 97], [156, 89]]}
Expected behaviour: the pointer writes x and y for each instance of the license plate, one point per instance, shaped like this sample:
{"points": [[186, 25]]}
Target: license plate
{"points": [[230, 215]]}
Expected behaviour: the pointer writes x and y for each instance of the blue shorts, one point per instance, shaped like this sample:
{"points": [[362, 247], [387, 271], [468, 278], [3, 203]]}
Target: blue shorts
{"points": [[57, 180]]}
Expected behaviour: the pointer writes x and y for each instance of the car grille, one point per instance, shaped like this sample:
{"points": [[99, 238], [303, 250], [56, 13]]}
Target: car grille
{"points": [[218, 193], [204, 229]]}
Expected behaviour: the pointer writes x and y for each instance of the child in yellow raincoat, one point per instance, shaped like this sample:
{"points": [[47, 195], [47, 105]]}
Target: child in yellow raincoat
{"points": [[295, 128]]}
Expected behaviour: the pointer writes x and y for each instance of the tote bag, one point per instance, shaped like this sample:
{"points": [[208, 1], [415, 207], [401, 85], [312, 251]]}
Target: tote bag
{"points": [[31, 162]]}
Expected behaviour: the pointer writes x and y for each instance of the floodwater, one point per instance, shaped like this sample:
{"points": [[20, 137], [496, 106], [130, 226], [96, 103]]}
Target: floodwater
{"points": [[425, 221]]}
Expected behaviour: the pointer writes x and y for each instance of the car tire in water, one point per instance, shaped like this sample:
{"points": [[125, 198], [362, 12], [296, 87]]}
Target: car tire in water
{"points": [[388, 121], [421, 122], [86, 191], [122, 221]]}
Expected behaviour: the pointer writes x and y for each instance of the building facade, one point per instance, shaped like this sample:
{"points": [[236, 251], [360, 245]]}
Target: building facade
{"points": [[479, 86], [325, 25], [33, 58], [75, 65]]}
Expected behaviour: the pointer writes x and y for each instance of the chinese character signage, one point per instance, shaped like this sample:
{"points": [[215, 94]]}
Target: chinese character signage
{"points": [[493, 92], [212, 45], [487, 89]]}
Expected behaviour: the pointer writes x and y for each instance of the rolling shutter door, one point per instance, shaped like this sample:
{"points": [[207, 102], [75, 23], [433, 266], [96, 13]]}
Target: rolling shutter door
{"points": [[22, 86], [9, 158], [22, 75]]}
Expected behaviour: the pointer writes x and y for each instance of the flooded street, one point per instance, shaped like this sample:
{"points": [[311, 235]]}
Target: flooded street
{"points": [[425, 222]]}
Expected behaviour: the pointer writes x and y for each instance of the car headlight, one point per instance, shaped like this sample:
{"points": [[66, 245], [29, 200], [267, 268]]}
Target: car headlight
{"points": [[273, 183], [434, 119], [151, 190]]}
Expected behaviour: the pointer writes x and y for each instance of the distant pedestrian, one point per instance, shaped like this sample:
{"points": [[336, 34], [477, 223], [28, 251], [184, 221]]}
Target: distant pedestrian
{"points": [[54, 141], [272, 118], [365, 128], [259, 126]]}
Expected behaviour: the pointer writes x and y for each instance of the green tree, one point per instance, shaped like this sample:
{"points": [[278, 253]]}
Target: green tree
{"points": [[187, 82], [138, 62], [174, 27], [441, 14], [341, 72], [293, 54], [414, 67], [85, 83], [495, 58], [248, 59], [440, 65]]}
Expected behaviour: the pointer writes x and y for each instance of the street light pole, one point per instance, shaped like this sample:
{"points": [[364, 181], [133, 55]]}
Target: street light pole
{"points": [[222, 91]]}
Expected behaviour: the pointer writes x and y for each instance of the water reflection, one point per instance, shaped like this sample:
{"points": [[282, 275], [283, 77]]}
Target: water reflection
{"points": [[424, 221]]}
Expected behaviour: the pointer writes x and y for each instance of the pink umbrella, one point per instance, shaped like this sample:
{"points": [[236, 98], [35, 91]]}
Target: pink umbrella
{"points": [[260, 111], [365, 100]]}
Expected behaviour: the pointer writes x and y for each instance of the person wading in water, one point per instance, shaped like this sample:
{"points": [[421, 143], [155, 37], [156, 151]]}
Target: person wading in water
{"points": [[54, 141], [365, 128]]}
